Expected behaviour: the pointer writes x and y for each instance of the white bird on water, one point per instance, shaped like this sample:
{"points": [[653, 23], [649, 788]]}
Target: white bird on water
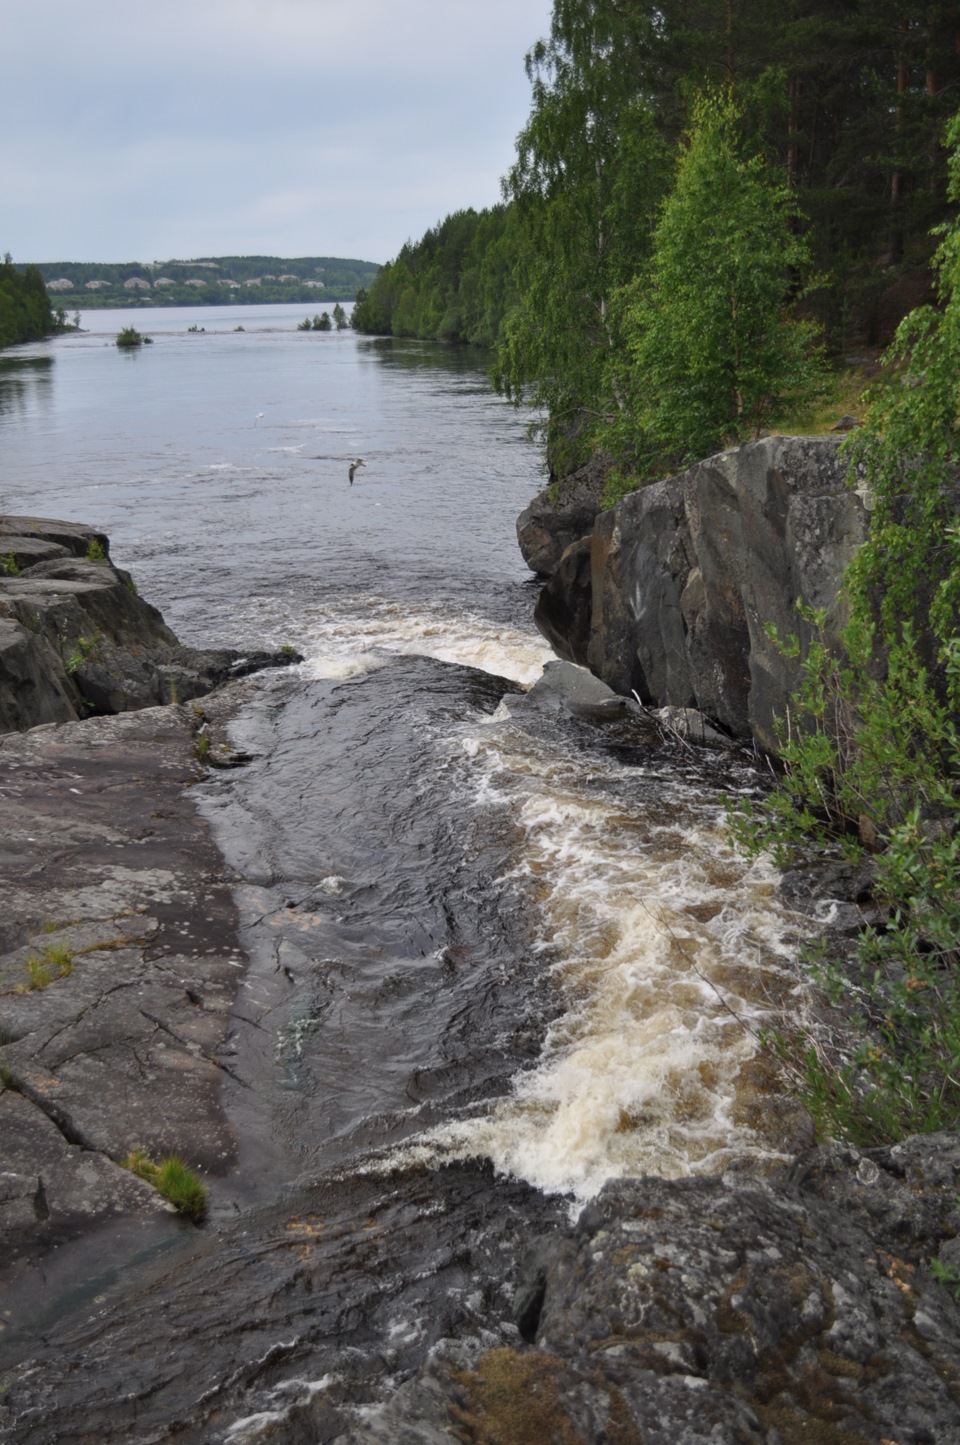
{"points": [[257, 417], [353, 468]]}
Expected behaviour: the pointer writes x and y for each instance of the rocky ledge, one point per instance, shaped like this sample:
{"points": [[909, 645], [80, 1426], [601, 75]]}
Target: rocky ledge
{"points": [[118, 950], [673, 593], [799, 1307], [77, 641]]}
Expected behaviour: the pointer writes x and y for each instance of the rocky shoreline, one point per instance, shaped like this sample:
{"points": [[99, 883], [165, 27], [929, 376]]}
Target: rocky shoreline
{"points": [[76, 640], [790, 1302]]}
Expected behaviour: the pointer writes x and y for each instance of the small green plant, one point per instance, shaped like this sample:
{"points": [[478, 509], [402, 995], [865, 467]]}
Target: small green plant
{"points": [[201, 748], [130, 337], [85, 649], [50, 926], [174, 1179], [56, 962], [95, 552], [9, 565], [948, 1275], [286, 649], [131, 585], [305, 325]]}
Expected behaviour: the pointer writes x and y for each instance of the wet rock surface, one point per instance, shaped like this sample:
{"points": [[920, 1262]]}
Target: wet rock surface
{"points": [[76, 640], [118, 968], [796, 1307]]}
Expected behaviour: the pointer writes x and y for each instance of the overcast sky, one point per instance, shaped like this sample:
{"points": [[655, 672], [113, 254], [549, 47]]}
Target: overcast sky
{"points": [[280, 127]]}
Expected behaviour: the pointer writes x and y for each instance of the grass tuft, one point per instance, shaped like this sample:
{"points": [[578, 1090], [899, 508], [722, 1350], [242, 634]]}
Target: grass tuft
{"points": [[56, 962], [174, 1179]]}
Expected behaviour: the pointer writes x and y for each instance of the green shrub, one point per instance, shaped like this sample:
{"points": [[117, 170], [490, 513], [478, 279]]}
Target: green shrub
{"points": [[95, 552], [9, 565], [130, 336], [872, 762]]}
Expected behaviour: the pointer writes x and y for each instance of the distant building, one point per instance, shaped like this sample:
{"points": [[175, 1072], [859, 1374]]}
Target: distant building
{"points": [[288, 278], [164, 281], [62, 283], [96, 285], [252, 281], [318, 285], [195, 281], [231, 285], [137, 283], [269, 278]]}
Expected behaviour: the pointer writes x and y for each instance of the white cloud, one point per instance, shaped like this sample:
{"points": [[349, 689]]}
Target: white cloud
{"points": [[294, 127]]}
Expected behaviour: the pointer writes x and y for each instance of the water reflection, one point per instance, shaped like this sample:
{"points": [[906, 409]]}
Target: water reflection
{"points": [[24, 379]]}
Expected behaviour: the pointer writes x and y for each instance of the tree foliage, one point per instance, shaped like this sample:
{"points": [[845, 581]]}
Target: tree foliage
{"points": [[876, 764], [25, 311], [710, 352], [844, 101], [455, 284]]}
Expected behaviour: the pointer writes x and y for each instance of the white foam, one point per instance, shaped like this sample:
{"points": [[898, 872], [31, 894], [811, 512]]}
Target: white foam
{"points": [[664, 946]]}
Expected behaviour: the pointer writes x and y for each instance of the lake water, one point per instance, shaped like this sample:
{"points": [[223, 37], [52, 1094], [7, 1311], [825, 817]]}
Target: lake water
{"points": [[497, 955]]}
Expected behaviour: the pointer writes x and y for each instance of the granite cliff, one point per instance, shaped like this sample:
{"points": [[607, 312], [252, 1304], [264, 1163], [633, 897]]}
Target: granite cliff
{"points": [[673, 593]]}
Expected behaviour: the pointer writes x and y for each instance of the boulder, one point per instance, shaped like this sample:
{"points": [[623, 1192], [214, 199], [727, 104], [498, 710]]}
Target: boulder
{"points": [[690, 576], [76, 640], [559, 516], [564, 607]]}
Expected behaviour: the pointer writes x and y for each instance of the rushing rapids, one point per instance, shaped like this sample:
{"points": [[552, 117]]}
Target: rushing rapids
{"points": [[499, 953]]}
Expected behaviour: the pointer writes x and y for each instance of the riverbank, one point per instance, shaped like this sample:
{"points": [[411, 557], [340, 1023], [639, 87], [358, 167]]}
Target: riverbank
{"points": [[400, 1301]]}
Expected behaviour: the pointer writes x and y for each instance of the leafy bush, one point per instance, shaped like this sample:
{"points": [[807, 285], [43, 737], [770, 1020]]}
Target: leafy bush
{"points": [[130, 337], [874, 766]]}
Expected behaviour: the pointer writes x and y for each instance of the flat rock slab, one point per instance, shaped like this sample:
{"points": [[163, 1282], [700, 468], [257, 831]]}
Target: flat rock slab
{"points": [[118, 969]]}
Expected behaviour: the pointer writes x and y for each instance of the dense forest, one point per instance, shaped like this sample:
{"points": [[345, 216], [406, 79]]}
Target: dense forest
{"points": [[25, 312], [782, 166], [206, 281]]}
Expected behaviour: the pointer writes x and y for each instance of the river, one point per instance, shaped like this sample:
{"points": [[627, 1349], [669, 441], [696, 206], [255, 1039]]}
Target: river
{"points": [[498, 954]]}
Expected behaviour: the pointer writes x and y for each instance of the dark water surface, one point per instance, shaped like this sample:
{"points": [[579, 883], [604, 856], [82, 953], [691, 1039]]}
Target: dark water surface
{"points": [[493, 950]]}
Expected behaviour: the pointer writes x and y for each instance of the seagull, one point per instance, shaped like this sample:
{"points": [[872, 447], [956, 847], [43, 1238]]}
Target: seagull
{"points": [[257, 417], [353, 468]]}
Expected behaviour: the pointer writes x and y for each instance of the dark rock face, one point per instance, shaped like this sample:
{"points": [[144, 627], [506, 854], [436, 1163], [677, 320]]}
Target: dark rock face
{"points": [[687, 576], [559, 516], [796, 1307], [563, 610], [118, 969], [76, 640]]}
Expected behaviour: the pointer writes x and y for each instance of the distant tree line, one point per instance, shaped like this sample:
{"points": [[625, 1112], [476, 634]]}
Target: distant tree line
{"points": [[206, 281], [455, 284], [815, 132], [25, 311]]}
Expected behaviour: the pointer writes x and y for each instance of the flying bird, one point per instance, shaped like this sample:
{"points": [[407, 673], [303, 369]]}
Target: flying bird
{"points": [[353, 468]]}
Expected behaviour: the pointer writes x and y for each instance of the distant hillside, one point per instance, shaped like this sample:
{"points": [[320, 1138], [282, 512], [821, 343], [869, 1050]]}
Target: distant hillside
{"points": [[205, 281]]}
